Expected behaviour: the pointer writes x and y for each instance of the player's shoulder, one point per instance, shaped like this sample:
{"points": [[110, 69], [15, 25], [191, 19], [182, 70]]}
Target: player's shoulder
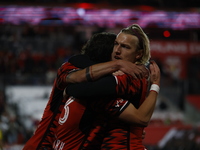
{"points": [[67, 65], [125, 77]]}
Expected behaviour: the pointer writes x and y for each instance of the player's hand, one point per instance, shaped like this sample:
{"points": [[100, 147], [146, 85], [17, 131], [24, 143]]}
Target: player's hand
{"points": [[137, 71], [154, 73]]}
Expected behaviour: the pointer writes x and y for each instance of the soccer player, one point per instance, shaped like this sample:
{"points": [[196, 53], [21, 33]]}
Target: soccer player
{"points": [[127, 47], [43, 136]]}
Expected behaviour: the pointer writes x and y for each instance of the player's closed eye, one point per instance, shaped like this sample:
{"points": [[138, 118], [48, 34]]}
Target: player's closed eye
{"points": [[125, 46]]}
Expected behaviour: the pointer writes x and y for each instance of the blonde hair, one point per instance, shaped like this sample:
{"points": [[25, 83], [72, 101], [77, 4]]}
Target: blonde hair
{"points": [[143, 43]]}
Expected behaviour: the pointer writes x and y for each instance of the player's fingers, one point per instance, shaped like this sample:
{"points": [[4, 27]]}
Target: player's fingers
{"points": [[152, 69], [143, 72], [156, 68], [134, 75]]}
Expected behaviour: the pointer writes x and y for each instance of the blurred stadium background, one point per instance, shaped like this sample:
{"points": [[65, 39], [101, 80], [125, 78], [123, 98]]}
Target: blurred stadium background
{"points": [[37, 36]]}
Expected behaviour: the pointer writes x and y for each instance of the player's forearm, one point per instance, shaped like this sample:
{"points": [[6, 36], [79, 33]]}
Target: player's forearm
{"points": [[99, 70], [147, 108], [93, 72], [142, 115]]}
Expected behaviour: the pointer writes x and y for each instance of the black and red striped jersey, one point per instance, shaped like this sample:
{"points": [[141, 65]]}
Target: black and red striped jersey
{"points": [[105, 111], [80, 119], [120, 135], [100, 116], [43, 136], [107, 131]]}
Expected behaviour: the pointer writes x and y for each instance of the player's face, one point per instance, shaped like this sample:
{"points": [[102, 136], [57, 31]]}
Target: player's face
{"points": [[125, 47]]}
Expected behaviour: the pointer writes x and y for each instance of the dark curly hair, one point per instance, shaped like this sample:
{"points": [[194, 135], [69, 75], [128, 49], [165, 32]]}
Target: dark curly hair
{"points": [[99, 47]]}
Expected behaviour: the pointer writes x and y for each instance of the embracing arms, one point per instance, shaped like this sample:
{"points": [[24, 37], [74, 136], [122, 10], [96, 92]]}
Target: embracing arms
{"points": [[143, 114], [140, 116], [96, 71], [131, 115]]}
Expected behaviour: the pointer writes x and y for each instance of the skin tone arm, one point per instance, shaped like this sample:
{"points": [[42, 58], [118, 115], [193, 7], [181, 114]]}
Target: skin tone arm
{"points": [[98, 70], [142, 115]]}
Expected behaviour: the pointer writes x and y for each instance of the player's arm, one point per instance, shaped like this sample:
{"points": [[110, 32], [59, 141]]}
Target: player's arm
{"points": [[97, 71], [70, 71], [82, 61], [143, 114], [103, 87]]}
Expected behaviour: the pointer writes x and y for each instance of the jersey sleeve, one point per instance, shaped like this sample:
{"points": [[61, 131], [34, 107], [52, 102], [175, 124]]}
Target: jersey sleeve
{"points": [[74, 63], [62, 73], [113, 108], [100, 88]]}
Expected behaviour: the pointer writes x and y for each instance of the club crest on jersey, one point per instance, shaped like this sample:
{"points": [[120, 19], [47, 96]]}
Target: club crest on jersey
{"points": [[118, 102]]}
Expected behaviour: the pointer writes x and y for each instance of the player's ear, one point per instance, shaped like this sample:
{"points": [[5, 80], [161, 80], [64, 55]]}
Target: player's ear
{"points": [[139, 54]]}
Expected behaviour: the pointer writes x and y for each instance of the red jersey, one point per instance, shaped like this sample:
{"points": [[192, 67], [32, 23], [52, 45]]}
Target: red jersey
{"points": [[43, 136]]}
